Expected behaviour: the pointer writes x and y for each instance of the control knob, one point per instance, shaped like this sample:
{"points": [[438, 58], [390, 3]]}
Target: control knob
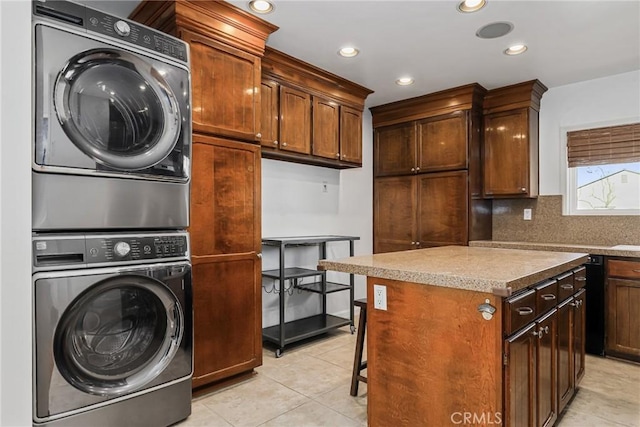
{"points": [[122, 28], [122, 249]]}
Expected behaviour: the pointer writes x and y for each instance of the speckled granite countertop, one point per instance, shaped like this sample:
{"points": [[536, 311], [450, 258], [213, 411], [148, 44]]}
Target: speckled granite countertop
{"points": [[462, 267], [619, 250]]}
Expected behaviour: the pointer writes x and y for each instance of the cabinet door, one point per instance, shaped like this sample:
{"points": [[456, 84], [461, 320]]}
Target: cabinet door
{"points": [[350, 135], [623, 318], [546, 368], [506, 154], [269, 114], [579, 334], [227, 309], [442, 143], [394, 212], [395, 150], [225, 197], [519, 387], [326, 117], [224, 82], [442, 209], [565, 354], [295, 120]]}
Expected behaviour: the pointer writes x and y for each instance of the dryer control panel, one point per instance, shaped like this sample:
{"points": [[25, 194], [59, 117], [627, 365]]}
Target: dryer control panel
{"points": [[72, 250], [99, 22]]}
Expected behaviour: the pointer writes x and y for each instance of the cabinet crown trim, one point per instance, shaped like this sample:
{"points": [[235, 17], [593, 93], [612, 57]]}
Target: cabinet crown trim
{"points": [[521, 95], [465, 97], [217, 19], [282, 67]]}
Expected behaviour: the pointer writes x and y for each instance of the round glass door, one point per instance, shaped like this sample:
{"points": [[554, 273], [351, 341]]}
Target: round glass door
{"points": [[117, 109], [118, 335]]}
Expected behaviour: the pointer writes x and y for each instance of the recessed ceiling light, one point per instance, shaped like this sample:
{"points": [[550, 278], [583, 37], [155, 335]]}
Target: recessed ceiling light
{"points": [[348, 52], [404, 81], [516, 49], [468, 6], [261, 6]]}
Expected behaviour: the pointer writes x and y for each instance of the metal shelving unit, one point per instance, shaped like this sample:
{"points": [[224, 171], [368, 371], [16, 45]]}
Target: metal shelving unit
{"points": [[287, 332]]}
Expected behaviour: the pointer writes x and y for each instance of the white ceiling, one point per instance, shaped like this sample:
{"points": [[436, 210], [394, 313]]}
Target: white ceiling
{"points": [[569, 41]]}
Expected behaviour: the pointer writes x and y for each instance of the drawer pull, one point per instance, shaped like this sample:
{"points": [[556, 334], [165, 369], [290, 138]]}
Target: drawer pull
{"points": [[565, 286], [524, 311], [548, 297], [637, 270], [581, 279]]}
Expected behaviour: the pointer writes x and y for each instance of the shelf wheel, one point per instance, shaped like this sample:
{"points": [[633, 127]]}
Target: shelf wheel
{"points": [[353, 329], [278, 353]]}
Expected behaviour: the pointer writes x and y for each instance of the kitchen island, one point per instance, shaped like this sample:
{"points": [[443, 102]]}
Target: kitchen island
{"points": [[475, 336]]}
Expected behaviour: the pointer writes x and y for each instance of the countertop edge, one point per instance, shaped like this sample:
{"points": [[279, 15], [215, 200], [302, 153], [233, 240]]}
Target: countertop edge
{"points": [[556, 247], [450, 280]]}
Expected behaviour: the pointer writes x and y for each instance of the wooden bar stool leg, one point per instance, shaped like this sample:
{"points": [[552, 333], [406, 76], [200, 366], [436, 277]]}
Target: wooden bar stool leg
{"points": [[358, 365]]}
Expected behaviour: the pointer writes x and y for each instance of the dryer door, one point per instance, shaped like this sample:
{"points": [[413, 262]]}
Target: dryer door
{"points": [[117, 109], [118, 335]]}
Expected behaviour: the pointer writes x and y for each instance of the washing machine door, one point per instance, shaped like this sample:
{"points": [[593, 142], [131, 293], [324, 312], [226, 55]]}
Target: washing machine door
{"points": [[117, 109], [118, 335]]}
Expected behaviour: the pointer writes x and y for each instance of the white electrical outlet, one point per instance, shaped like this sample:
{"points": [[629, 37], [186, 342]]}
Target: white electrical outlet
{"points": [[380, 297], [527, 214]]}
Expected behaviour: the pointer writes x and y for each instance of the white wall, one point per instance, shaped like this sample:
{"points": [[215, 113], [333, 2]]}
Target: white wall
{"points": [[15, 213], [593, 103], [293, 204]]}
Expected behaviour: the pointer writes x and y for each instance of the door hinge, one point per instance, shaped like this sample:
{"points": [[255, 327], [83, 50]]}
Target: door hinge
{"points": [[505, 359]]}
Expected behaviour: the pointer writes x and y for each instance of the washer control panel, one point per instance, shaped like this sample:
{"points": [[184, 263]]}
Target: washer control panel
{"points": [[67, 250]]}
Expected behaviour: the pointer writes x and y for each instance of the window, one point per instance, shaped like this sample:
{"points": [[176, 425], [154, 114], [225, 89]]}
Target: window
{"points": [[604, 170]]}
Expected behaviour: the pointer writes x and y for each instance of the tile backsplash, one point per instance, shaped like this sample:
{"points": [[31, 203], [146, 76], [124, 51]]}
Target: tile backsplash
{"points": [[548, 225]]}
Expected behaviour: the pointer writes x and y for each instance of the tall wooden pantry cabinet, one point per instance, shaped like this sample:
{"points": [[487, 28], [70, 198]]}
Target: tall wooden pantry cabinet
{"points": [[226, 49], [427, 187]]}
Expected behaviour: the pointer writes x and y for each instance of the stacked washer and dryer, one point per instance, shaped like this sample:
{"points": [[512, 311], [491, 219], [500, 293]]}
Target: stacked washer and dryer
{"points": [[112, 305]]}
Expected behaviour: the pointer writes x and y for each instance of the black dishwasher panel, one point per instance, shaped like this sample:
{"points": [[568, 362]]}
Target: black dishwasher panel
{"points": [[595, 305]]}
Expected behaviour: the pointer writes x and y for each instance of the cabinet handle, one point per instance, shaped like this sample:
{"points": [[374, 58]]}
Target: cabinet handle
{"points": [[284, 144], [338, 155], [581, 279], [413, 243], [344, 156], [566, 286], [259, 255], [258, 135], [524, 190], [546, 330], [413, 169], [524, 311], [417, 169], [275, 142], [636, 271], [548, 297]]}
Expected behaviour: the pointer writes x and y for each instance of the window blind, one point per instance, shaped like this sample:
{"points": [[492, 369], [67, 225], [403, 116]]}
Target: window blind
{"points": [[613, 144]]}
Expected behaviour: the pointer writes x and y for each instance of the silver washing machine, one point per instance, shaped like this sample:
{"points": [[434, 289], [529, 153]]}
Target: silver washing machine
{"points": [[112, 122], [113, 329]]}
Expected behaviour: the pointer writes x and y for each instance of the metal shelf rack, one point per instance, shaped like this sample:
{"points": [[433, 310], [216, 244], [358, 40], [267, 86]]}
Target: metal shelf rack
{"points": [[287, 332]]}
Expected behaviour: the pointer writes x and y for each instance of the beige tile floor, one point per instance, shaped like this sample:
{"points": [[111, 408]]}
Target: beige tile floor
{"points": [[309, 386]]}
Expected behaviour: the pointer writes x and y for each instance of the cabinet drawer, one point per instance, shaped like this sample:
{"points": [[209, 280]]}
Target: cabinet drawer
{"points": [[579, 278], [566, 287], [519, 310], [546, 295], [627, 269]]}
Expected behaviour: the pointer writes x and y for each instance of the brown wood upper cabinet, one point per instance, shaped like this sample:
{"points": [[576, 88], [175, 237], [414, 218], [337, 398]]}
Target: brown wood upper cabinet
{"points": [[433, 144], [316, 117], [226, 46], [511, 140]]}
